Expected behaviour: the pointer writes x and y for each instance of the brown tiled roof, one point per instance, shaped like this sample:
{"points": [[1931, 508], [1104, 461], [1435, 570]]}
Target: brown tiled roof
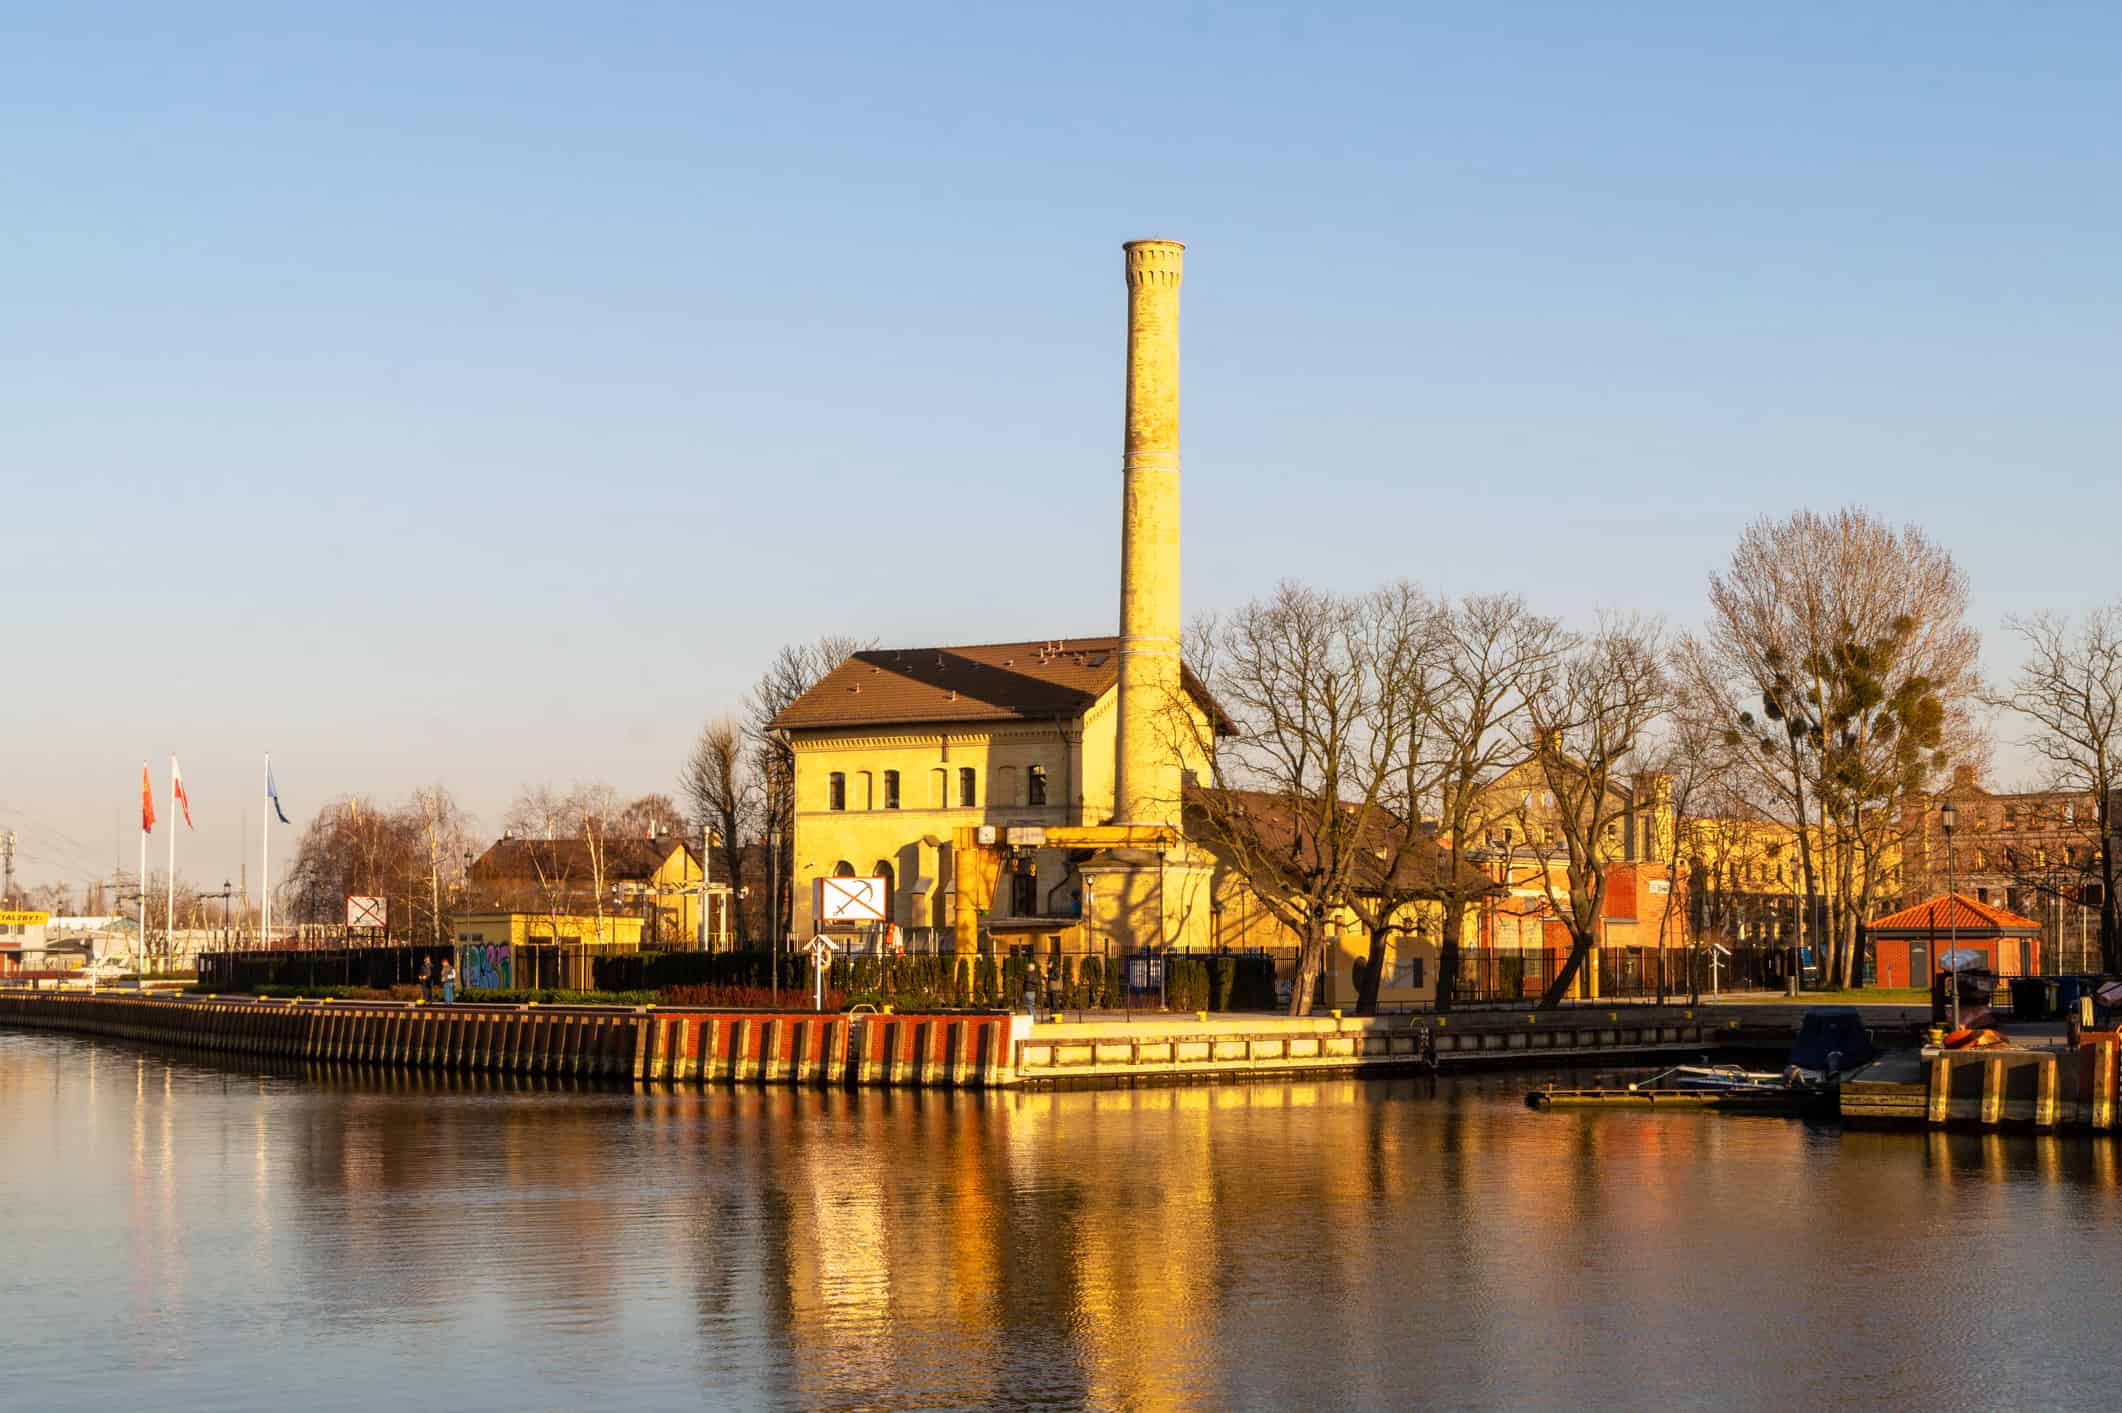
{"points": [[626, 860], [1955, 913], [1036, 681], [1280, 832]]}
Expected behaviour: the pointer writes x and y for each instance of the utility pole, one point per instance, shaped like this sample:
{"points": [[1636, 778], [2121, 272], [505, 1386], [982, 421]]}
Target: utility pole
{"points": [[707, 870], [7, 860]]}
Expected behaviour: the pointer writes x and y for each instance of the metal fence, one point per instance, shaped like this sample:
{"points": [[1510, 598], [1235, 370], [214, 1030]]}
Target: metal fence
{"points": [[1622, 974]]}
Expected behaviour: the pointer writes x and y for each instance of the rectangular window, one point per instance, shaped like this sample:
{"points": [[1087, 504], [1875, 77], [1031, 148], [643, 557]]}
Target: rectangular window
{"points": [[891, 789], [1035, 783], [836, 791], [967, 794]]}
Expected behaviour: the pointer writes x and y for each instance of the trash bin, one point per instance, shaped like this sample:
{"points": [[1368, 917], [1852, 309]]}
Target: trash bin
{"points": [[2068, 989], [2032, 998]]}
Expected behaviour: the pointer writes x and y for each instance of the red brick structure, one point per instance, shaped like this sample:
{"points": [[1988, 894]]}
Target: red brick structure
{"points": [[1906, 945]]}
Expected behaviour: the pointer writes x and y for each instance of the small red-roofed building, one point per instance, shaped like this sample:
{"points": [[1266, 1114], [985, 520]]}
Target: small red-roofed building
{"points": [[1907, 946]]}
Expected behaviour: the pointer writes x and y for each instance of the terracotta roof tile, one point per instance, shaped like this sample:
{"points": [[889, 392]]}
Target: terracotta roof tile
{"points": [[1956, 913]]}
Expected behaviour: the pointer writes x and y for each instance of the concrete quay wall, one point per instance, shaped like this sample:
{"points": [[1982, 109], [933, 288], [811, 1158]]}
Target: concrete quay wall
{"points": [[2001, 1087], [1204, 1048]]}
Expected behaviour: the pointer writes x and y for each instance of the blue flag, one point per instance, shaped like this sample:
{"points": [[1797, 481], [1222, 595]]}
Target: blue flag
{"points": [[272, 792]]}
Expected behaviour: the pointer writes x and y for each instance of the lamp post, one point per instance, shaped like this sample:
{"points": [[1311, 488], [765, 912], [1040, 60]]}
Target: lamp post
{"points": [[1947, 818]]}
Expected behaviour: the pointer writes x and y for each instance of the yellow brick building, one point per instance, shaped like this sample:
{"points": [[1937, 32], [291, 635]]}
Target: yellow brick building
{"points": [[656, 881], [521, 929], [896, 749]]}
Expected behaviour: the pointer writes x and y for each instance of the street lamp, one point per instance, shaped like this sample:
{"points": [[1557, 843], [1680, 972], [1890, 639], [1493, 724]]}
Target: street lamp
{"points": [[1947, 818]]}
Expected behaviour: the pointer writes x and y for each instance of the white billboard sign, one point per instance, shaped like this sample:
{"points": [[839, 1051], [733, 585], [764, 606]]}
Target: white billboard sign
{"points": [[364, 912], [848, 900]]}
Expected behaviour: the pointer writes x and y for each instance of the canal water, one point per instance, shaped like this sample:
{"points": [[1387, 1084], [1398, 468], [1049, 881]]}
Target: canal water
{"points": [[184, 1235]]}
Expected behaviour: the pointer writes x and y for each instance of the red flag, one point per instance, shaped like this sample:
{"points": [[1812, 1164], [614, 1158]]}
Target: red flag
{"points": [[176, 788], [147, 802]]}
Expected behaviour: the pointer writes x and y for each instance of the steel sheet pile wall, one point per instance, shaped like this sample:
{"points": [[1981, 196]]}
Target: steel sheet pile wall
{"points": [[680, 1047]]}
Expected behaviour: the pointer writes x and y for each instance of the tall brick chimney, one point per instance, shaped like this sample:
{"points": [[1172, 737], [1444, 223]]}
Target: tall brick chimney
{"points": [[1146, 766]]}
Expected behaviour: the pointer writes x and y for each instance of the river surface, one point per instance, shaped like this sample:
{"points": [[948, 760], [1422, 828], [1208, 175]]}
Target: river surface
{"points": [[186, 1235]]}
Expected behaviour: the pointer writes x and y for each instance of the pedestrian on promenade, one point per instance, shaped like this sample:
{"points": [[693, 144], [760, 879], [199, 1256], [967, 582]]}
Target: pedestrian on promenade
{"points": [[1031, 989], [427, 980], [449, 982]]}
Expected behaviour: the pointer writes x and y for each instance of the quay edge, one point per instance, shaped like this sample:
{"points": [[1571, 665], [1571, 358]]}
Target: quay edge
{"points": [[957, 1050]]}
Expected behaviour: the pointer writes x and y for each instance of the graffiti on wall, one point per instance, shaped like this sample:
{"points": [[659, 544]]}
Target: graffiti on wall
{"points": [[487, 966]]}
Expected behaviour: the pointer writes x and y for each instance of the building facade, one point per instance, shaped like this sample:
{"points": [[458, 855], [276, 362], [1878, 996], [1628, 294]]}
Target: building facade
{"points": [[895, 750], [2035, 853]]}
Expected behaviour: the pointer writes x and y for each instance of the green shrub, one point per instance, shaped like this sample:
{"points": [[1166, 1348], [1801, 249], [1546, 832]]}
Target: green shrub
{"points": [[1253, 986]]}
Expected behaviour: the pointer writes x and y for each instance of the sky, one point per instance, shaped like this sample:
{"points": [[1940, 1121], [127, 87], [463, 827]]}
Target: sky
{"points": [[481, 394]]}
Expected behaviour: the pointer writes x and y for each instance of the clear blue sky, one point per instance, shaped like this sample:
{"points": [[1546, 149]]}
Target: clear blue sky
{"points": [[483, 392]]}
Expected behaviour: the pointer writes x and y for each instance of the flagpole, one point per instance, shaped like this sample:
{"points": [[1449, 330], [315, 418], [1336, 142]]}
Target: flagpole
{"points": [[140, 943], [265, 860], [169, 927]]}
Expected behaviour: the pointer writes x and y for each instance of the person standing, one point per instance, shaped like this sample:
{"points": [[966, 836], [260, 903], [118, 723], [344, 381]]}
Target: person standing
{"points": [[427, 980], [449, 982]]}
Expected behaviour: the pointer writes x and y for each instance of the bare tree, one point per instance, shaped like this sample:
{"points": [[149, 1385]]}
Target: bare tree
{"points": [[540, 812], [1303, 785], [446, 830], [647, 817], [1837, 651], [401, 855], [1584, 731], [795, 670], [1407, 644], [2069, 694], [1694, 771], [719, 787], [1494, 646]]}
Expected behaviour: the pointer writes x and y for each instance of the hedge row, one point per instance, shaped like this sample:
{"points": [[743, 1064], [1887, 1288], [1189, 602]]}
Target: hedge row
{"points": [[1220, 984], [496, 997], [1234, 983]]}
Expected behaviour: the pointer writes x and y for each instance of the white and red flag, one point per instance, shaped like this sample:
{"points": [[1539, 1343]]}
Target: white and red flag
{"points": [[176, 790]]}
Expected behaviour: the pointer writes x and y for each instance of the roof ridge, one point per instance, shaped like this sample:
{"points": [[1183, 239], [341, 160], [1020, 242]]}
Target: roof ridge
{"points": [[866, 653]]}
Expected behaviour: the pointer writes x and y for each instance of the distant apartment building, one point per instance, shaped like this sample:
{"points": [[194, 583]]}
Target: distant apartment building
{"points": [[2030, 852]]}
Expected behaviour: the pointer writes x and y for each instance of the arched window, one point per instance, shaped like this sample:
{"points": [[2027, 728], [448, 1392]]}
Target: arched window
{"points": [[968, 792], [938, 788], [843, 869], [836, 790], [882, 869], [1035, 785], [1006, 791], [865, 796], [891, 789]]}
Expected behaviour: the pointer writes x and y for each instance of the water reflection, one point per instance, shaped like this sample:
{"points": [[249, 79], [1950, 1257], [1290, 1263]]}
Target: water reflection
{"points": [[259, 1236]]}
